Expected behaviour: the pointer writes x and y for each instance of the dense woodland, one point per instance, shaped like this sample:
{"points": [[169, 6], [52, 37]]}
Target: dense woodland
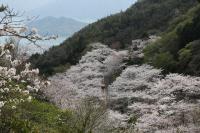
{"points": [[144, 18], [178, 50]]}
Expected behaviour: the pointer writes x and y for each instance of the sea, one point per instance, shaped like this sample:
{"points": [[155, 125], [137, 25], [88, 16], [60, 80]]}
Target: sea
{"points": [[30, 48]]}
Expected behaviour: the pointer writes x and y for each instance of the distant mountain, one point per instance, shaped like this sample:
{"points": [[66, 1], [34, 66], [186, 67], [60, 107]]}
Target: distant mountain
{"points": [[84, 10], [57, 26]]}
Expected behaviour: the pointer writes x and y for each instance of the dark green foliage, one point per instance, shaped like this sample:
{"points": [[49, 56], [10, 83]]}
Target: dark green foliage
{"points": [[143, 18], [43, 117], [191, 59], [2, 8], [180, 45], [35, 116], [132, 119], [185, 56], [164, 61]]}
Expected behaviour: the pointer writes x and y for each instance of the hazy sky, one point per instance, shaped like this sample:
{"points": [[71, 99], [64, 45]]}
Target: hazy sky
{"points": [[85, 10]]}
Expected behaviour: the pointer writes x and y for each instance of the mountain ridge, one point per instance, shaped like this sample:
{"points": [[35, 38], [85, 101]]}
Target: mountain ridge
{"points": [[61, 26]]}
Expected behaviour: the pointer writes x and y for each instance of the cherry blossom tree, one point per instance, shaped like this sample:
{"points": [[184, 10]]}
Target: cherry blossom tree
{"points": [[161, 103], [87, 78], [17, 79]]}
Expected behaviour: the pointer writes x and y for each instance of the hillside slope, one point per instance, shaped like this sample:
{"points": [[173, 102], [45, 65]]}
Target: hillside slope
{"points": [[140, 97], [144, 17], [178, 50], [84, 79]]}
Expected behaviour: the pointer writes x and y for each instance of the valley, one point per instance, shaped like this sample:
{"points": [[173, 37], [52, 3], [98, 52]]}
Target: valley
{"points": [[136, 71]]}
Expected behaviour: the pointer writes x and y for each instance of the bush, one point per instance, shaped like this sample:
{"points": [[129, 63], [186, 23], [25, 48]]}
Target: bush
{"points": [[32, 116]]}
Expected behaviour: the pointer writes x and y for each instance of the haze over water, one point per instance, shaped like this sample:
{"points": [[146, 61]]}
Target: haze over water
{"points": [[84, 10]]}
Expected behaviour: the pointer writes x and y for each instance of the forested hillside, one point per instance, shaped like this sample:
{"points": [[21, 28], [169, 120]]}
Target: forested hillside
{"points": [[143, 18], [143, 78], [179, 48]]}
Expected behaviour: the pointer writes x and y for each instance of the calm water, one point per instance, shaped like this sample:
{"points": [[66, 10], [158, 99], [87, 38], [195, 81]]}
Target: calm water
{"points": [[31, 49]]}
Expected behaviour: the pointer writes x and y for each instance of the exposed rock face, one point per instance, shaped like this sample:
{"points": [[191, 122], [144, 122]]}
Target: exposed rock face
{"points": [[162, 104]]}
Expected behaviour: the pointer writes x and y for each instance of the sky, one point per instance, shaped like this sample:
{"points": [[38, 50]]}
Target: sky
{"points": [[83, 10]]}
